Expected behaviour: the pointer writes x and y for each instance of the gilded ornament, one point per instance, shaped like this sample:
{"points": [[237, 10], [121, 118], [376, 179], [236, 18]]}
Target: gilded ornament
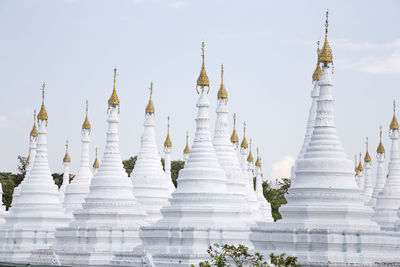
{"points": [[325, 55], [167, 142], [318, 71], [66, 156], [114, 101], [96, 162], [360, 166], [150, 107], [187, 149], [244, 141], [367, 157], [258, 160], [380, 149], [42, 113], [250, 157], [222, 94], [86, 124], [234, 137], [203, 79], [34, 132], [394, 125]]}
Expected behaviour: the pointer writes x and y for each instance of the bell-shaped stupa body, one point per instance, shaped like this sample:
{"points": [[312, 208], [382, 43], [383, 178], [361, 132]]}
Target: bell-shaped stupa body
{"points": [[110, 217], [32, 221], [30, 161], [388, 200], [65, 182], [226, 154], [380, 173], [150, 185], [78, 189], [167, 161]]}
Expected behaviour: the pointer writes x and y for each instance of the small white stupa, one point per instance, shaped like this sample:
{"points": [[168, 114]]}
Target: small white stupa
{"points": [[367, 174], [186, 150], [95, 164], [32, 221], [110, 217], [150, 186], [78, 189], [29, 161], [380, 172], [202, 211], [388, 200], [65, 183], [265, 207], [167, 161], [226, 153], [312, 115]]}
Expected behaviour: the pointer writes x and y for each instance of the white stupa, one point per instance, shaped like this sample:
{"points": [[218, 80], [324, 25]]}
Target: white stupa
{"points": [[167, 161], [150, 185], [202, 211], [110, 217], [78, 189], [325, 222], [246, 155], [388, 200], [31, 222], [367, 176], [65, 182], [29, 161], [380, 172], [312, 115], [265, 207], [95, 164], [226, 153]]}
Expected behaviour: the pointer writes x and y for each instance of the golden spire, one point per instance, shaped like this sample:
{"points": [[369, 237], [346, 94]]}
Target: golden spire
{"points": [[356, 167], [325, 55], [114, 101], [28, 158], [360, 166], [203, 79], [250, 157], [380, 148], [244, 141], [86, 123], [187, 149], [234, 137], [317, 72], [34, 132], [367, 157], [66, 156], [150, 107], [43, 113], [167, 142], [394, 124], [222, 94], [258, 160], [96, 162]]}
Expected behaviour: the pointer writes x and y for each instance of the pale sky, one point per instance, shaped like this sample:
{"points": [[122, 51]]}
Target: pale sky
{"points": [[267, 47]]}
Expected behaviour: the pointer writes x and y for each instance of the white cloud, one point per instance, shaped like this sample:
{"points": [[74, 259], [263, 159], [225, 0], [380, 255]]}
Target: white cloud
{"points": [[374, 64], [177, 4], [281, 169], [4, 122]]}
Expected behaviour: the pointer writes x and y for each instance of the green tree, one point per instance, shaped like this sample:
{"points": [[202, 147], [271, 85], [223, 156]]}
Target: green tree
{"points": [[129, 164], [7, 182], [276, 196], [176, 166], [21, 167], [58, 178]]}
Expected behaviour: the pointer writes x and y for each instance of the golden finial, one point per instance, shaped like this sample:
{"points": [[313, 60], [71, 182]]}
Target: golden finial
{"points": [[167, 142], [28, 158], [234, 137], [114, 101], [250, 157], [203, 79], [367, 157], [96, 162], [244, 141], [360, 166], [258, 160], [380, 149], [356, 167], [34, 132], [325, 55], [222, 94], [43, 113], [150, 107], [317, 72], [66, 157], [394, 124], [86, 123], [187, 149]]}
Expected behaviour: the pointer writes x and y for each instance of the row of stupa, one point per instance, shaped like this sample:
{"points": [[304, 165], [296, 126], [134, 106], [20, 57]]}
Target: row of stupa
{"points": [[330, 218]]}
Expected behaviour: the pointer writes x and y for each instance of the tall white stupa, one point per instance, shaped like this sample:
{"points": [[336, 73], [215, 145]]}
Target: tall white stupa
{"points": [[65, 182], [110, 217], [388, 200], [265, 207], [312, 115], [226, 153], [325, 222], [30, 160], [150, 185], [36, 214], [202, 211], [367, 176], [380, 172], [78, 189], [167, 161]]}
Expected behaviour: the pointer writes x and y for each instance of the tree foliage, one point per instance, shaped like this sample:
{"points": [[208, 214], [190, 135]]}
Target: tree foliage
{"points": [[8, 184], [276, 196], [223, 255], [129, 164]]}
